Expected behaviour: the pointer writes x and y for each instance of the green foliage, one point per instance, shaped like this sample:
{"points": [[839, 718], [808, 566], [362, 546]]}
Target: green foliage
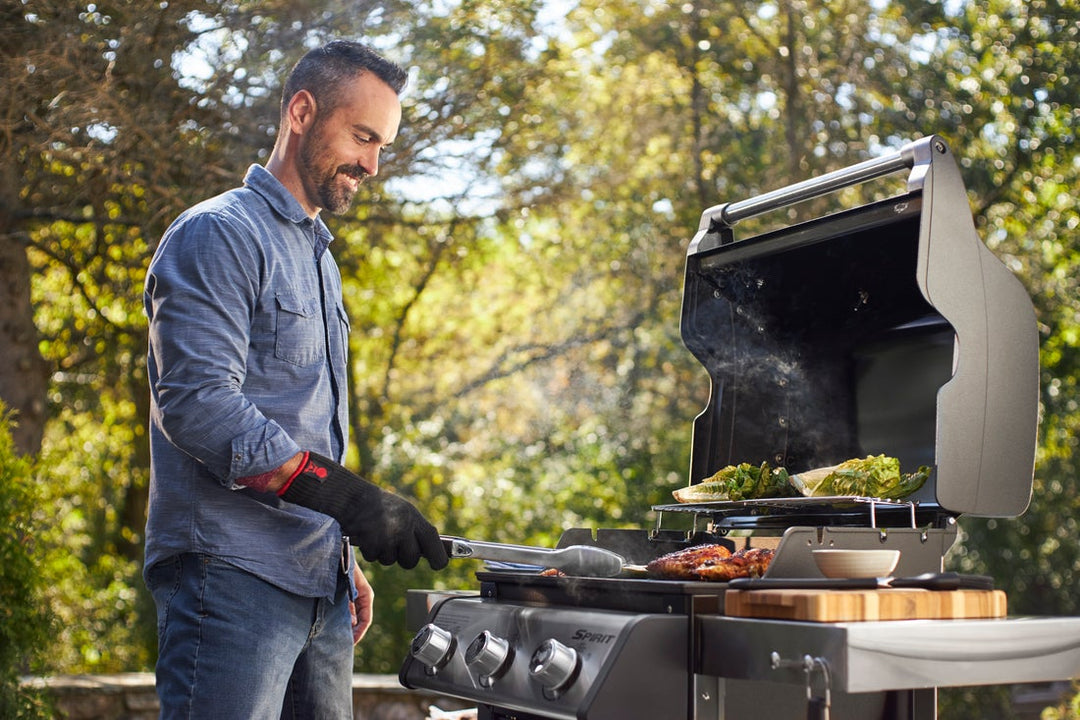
{"points": [[1068, 709], [25, 621], [95, 588]]}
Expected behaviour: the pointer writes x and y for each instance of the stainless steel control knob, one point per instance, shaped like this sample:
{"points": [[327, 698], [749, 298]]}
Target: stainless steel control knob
{"points": [[488, 656], [553, 665], [432, 646]]}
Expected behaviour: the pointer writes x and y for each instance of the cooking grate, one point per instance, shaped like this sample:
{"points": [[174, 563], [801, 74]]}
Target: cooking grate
{"points": [[831, 510]]}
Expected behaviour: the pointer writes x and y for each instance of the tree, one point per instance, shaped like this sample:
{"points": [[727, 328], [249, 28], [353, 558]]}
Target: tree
{"points": [[24, 375]]}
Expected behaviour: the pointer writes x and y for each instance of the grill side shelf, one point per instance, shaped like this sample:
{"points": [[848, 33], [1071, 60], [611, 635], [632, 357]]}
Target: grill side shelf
{"points": [[893, 655]]}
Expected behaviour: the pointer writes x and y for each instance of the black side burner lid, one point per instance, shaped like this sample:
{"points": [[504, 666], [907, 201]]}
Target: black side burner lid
{"points": [[888, 328]]}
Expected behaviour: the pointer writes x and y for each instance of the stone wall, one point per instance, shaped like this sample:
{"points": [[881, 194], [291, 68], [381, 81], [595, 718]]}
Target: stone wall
{"points": [[131, 696]]}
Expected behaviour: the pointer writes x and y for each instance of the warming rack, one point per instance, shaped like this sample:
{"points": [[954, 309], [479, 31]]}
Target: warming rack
{"points": [[723, 515]]}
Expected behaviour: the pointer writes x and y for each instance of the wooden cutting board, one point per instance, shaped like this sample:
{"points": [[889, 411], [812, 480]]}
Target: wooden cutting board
{"points": [[856, 605]]}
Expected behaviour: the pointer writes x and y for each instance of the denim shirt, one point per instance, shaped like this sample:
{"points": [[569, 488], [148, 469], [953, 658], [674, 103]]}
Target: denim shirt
{"points": [[247, 367]]}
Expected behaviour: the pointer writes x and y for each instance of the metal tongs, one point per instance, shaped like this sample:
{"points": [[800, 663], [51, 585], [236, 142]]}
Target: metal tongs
{"points": [[583, 560]]}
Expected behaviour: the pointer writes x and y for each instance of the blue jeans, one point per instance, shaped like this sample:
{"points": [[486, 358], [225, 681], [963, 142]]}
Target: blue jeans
{"points": [[231, 645]]}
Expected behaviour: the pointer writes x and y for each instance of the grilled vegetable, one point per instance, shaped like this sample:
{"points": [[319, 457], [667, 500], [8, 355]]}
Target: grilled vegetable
{"points": [[739, 482], [875, 476]]}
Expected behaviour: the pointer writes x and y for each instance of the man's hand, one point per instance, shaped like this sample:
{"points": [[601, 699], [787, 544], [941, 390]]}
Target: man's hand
{"points": [[385, 527], [361, 610]]}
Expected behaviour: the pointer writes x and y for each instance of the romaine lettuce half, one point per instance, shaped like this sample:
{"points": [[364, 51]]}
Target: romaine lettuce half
{"points": [[739, 482], [876, 476]]}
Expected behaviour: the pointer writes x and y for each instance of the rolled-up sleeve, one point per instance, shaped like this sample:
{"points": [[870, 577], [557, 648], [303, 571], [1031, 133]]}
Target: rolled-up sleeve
{"points": [[203, 296]]}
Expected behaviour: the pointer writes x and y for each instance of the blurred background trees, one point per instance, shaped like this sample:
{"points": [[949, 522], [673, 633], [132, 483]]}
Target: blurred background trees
{"points": [[514, 275]]}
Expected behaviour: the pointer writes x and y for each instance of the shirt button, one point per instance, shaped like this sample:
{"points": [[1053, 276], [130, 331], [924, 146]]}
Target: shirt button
{"points": [[238, 457]]}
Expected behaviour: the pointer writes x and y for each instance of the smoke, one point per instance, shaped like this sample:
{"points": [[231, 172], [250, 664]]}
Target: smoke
{"points": [[782, 393]]}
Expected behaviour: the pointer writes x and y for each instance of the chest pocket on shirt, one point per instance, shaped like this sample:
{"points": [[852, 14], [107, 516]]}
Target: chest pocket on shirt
{"points": [[299, 337], [345, 327]]}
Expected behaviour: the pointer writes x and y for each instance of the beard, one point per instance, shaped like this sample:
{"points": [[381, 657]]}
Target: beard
{"points": [[324, 180]]}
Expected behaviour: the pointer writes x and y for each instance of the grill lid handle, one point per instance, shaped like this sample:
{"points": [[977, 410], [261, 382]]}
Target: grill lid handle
{"points": [[908, 156]]}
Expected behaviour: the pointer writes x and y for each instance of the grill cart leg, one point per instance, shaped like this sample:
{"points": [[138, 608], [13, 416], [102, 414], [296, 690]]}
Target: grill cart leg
{"points": [[912, 705]]}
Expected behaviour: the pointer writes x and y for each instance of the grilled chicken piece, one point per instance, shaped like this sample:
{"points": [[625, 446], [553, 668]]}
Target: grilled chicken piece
{"points": [[685, 564], [751, 562], [710, 562]]}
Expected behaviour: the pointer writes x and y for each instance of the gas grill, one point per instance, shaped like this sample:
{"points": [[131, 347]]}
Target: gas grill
{"points": [[888, 328]]}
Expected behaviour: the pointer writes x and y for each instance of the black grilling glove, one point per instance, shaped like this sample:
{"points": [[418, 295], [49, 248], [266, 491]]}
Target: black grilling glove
{"points": [[383, 526]]}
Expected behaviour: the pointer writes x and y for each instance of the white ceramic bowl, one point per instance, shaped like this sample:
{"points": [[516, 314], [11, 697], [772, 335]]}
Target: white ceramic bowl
{"points": [[856, 563]]}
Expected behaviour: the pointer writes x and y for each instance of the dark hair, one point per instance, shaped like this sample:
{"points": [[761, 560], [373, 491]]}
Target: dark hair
{"points": [[324, 71]]}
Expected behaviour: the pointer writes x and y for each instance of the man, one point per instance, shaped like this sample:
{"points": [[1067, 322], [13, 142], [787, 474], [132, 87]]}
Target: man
{"points": [[251, 517]]}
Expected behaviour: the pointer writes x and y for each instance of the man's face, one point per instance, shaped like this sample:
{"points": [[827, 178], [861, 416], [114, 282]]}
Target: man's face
{"points": [[343, 147]]}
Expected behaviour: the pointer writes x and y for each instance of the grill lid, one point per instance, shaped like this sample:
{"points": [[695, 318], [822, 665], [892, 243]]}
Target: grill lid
{"points": [[888, 328]]}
